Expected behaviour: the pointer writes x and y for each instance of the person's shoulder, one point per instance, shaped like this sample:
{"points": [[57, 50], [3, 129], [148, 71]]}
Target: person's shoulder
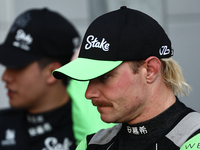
{"points": [[195, 124], [185, 129], [104, 135]]}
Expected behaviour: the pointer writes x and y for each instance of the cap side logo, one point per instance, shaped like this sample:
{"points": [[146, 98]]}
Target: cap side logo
{"points": [[164, 51], [93, 42], [23, 40]]}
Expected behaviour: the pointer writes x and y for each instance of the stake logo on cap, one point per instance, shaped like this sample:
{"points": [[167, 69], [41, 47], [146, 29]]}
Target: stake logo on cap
{"points": [[23, 40], [121, 35], [93, 42]]}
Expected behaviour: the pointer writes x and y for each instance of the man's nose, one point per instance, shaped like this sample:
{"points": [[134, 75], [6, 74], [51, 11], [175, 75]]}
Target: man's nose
{"points": [[6, 77], [92, 90]]}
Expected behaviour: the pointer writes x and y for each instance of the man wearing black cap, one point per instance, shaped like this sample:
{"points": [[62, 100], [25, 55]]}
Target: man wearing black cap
{"points": [[39, 42], [133, 81]]}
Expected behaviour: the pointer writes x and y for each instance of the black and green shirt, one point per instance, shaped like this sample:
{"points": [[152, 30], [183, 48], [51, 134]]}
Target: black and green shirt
{"points": [[167, 131]]}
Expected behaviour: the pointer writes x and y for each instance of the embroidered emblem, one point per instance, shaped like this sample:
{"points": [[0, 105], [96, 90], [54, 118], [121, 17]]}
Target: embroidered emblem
{"points": [[93, 42], [164, 50], [9, 138], [137, 130], [23, 40], [51, 143], [40, 129]]}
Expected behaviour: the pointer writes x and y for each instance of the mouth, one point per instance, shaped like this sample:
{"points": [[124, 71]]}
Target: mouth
{"points": [[10, 92]]}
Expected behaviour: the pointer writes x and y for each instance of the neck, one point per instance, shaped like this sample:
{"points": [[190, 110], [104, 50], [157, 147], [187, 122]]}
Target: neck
{"points": [[53, 98], [159, 99]]}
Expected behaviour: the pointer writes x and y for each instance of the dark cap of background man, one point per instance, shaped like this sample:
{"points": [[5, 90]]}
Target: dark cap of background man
{"points": [[38, 33], [121, 35]]}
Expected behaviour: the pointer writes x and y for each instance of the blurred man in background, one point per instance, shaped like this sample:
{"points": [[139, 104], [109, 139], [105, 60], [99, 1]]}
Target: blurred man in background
{"points": [[39, 41]]}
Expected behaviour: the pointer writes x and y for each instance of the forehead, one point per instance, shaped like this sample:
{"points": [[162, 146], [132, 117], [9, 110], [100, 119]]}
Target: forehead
{"points": [[122, 67], [29, 66]]}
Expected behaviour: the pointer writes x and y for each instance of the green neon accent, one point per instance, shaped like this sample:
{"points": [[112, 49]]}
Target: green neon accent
{"points": [[82, 145], [192, 144], [86, 69]]}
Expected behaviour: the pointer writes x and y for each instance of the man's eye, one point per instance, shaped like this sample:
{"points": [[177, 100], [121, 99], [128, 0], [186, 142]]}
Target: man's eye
{"points": [[103, 77]]}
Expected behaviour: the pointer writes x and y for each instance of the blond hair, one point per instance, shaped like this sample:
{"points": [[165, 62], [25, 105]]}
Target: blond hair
{"points": [[173, 77], [171, 73]]}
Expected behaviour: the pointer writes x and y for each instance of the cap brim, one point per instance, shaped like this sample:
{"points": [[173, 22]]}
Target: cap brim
{"points": [[15, 58], [85, 69]]}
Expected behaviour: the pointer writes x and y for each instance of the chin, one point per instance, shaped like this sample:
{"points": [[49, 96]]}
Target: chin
{"points": [[106, 119], [15, 105]]}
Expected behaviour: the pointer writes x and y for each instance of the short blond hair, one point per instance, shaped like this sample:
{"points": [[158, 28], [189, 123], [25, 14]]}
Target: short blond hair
{"points": [[173, 77]]}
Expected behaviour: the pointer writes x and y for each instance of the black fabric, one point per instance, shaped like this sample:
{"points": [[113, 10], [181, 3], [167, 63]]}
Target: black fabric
{"points": [[148, 135], [23, 131], [155, 128]]}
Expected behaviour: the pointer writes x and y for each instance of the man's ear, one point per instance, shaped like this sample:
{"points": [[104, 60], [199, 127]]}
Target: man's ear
{"points": [[49, 69], [153, 65]]}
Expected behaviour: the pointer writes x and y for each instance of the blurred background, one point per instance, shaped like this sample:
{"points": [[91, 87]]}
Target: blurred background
{"points": [[180, 19]]}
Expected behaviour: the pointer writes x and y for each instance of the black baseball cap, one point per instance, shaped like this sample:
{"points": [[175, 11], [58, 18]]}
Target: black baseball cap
{"points": [[117, 36], [39, 33]]}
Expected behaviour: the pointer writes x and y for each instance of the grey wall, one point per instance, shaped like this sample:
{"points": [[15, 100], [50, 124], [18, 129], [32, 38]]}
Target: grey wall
{"points": [[180, 19], [184, 31]]}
